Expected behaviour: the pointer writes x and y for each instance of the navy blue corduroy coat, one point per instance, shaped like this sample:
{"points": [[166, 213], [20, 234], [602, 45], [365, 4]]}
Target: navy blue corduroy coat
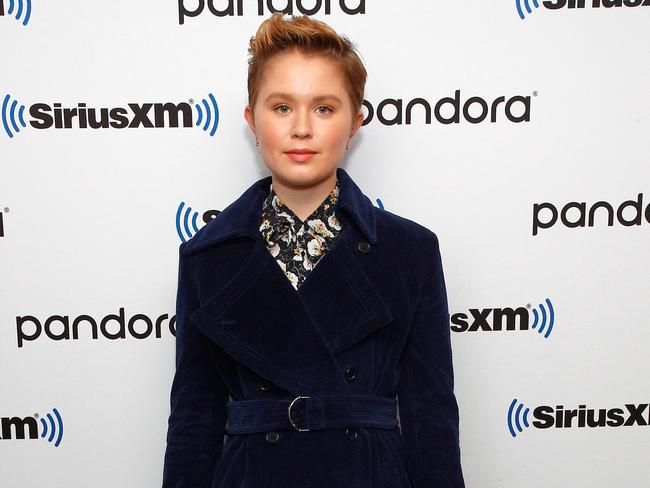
{"points": [[370, 319]]}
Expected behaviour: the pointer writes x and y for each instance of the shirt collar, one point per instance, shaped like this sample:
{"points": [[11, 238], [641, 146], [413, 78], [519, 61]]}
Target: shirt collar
{"points": [[273, 205], [278, 218]]}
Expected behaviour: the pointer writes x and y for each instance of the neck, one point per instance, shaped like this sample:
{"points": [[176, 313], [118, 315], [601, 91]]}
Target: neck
{"points": [[303, 199]]}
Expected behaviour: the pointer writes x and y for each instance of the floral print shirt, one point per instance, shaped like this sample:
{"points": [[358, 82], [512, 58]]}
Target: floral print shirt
{"points": [[297, 245]]}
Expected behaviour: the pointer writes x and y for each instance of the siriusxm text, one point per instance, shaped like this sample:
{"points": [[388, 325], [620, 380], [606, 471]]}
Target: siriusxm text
{"points": [[562, 418], [18, 428], [490, 319], [137, 115], [558, 4]]}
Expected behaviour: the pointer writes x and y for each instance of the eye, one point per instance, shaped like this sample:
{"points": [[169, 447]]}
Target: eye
{"points": [[281, 106], [325, 107]]}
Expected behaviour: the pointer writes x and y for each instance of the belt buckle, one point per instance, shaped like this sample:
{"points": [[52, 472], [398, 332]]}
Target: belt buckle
{"points": [[289, 414]]}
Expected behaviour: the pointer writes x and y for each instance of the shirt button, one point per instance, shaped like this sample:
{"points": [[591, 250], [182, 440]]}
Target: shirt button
{"points": [[351, 433], [363, 247], [350, 373], [272, 437]]}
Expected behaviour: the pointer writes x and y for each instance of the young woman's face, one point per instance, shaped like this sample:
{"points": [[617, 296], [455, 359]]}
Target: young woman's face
{"points": [[302, 103]]}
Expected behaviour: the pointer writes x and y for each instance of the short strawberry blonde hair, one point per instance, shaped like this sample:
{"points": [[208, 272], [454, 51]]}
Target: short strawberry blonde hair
{"points": [[308, 36]]}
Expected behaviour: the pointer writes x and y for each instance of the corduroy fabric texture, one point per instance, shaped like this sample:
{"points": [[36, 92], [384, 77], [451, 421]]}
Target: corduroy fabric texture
{"points": [[370, 319]]}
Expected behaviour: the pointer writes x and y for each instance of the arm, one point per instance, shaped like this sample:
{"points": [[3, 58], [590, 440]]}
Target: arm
{"points": [[198, 397], [427, 405]]}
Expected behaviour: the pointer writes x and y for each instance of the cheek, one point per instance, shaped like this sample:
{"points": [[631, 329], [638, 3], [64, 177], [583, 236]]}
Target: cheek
{"points": [[336, 136], [270, 132], [271, 136]]}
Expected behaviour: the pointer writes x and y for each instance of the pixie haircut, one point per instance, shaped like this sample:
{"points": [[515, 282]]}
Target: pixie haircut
{"points": [[308, 36]]}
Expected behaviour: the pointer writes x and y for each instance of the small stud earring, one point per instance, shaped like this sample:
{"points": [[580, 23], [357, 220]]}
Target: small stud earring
{"points": [[257, 144], [347, 146]]}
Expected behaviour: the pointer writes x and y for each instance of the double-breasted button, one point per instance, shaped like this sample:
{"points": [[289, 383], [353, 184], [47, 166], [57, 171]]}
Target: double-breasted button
{"points": [[350, 373], [363, 247], [351, 433], [272, 437]]}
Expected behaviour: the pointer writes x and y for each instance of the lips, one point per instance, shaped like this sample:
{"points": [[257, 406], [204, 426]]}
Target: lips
{"points": [[300, 155]]}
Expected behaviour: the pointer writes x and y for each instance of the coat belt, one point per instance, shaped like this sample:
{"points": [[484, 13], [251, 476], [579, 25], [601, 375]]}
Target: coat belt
{"points": [[311, 413]]}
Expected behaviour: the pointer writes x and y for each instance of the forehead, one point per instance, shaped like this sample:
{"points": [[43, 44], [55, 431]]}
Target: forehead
{"points": [[301, 75]]}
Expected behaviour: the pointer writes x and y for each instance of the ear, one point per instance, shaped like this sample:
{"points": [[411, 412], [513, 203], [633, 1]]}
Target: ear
{"points": [[248, 115], [358, 121]]}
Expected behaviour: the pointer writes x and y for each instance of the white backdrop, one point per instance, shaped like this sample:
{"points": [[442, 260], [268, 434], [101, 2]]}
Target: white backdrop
{"points": [[88, 219]]}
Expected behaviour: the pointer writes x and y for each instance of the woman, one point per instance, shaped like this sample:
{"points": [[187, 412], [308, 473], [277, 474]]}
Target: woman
{"points": [[312, 336]]}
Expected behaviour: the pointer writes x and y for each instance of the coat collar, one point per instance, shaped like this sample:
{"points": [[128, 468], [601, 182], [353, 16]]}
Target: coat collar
{"points": [[293, 338], [242, 217]]}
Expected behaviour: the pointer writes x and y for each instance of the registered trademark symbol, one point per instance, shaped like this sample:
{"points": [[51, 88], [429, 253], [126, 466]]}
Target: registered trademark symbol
{"points": [[190, 101], [535, 93], [528, 305], [35, 415], [6, 209]]}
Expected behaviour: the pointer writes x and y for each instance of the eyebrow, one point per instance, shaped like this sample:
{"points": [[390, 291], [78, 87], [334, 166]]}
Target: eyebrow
{"points": [[315, 99]]}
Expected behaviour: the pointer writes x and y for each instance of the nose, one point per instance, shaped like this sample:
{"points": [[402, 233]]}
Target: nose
{"points": [[302, 124]]}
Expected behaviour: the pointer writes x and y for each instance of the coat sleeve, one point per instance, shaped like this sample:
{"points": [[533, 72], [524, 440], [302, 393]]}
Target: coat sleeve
{"points": [[198, 397], [427, 405]]}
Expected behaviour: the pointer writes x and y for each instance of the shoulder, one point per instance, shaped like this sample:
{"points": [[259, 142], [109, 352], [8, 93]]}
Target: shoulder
{"points": [[409, 250], [393, 227]]}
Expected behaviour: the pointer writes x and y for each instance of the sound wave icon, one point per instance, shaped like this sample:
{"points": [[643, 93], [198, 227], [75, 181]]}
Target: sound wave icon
{"points": [[547, 321], [9, 116], [527, 6], [23, 9], [55, 427], [515, 417], [183, 222], [209, 112]]}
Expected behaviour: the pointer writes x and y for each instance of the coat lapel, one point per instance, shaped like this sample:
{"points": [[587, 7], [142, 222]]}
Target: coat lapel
{"points": [[291, 337], [345, 303]]}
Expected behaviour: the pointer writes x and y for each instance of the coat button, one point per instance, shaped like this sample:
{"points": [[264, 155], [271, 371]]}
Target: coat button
{"points": [[272, 437], [363, 247], [351, 433], [264, 386], [350, 373]]}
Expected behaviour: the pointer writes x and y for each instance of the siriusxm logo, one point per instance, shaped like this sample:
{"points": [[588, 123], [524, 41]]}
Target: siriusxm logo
{"points": [[27, 427], [186, 220], [113, 327], [193, 8], [14, 114], [450, 110], [21, 10], [134, 116], [506, 319], [546, 417], [577, 214], [560, 4]]}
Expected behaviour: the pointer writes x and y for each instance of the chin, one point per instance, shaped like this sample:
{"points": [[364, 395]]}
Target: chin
{"points": [[302, 174]]}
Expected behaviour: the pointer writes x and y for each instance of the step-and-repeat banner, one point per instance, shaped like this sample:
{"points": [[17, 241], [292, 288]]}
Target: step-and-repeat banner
{"points": [[517, 130]]}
